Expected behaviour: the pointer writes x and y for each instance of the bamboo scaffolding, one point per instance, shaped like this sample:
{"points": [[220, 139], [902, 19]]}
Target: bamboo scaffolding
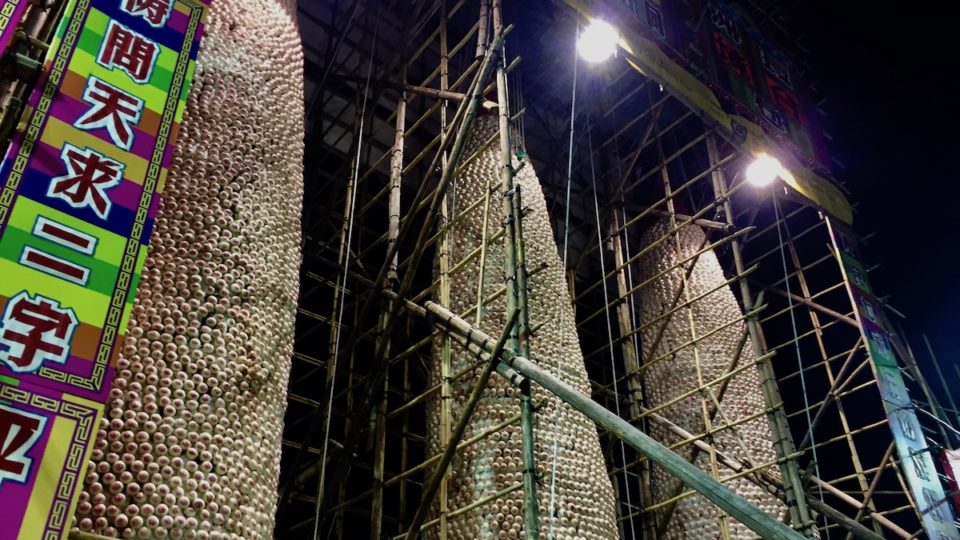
{"points": [[676, 191], [409, 392], [882, 520], [819, 364], [868, 495], [470, 109], [812, 311], [516, 367], [862, 386], [652, 279], [433, 485], [691, 219], [783, 443], [403, 475], [446, 241]]}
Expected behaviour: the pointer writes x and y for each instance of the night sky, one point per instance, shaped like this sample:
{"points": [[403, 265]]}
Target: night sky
{"points": [[889, 70]]}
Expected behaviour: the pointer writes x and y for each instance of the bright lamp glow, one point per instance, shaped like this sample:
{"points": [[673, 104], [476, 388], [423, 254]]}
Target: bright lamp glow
{"points": [[764, 170], [598, 42]]}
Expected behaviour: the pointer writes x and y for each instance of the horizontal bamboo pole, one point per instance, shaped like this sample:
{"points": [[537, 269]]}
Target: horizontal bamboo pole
{"points": [[882, 520]]}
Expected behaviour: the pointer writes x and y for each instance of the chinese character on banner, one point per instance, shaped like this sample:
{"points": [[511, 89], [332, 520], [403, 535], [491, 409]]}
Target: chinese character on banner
{"points": [[19, 431], [64, 236], [733, 58], [155, 12], [33, 331], [111, 108], [89, 175], [934, 504], [784, 98], [129, 51], [775, 67]]}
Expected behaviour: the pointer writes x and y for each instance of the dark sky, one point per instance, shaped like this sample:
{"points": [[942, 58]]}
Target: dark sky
{"points": [[890, 70]]}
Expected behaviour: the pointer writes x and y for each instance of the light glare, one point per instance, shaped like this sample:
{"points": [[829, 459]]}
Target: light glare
{"points": [[764, 170], [598, 42]]}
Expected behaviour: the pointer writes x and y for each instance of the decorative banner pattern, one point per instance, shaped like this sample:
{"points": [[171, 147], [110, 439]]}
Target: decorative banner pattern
{"points": [[79, 189], [753, 76], [914, 453], [10, 13], [49, 437]]}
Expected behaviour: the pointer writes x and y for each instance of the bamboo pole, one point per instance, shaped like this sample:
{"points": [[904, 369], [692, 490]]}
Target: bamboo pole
{"points": [[446, 390], [379, 359], [433, 485], [691, 326], [868, 495], [796, 499], [482, 33], [516, 282], [855, 458], [379, 461], [396, 181]]}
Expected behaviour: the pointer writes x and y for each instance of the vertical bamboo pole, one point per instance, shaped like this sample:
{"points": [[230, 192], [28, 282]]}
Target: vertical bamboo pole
{"points": [[868, 495], [446, 391], [393, 231], [831, 377], [793, 486], [631, 358], [516, 283], [483, 29], [396, 172], [691, 324], [404, 441], [379, 459], [624, 318]]}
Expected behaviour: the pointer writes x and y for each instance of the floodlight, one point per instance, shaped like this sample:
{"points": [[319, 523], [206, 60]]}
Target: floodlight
{"points": [[764, 170], [598, 42]]}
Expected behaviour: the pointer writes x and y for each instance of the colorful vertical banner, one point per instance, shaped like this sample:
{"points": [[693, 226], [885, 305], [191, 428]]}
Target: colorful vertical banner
{"points": [[11, 11], [913, 451], [79, 190]]}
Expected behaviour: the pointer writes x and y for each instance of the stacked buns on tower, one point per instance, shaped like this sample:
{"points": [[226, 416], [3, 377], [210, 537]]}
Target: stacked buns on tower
{"points": [[673, 371], [190, 443], [583, 500]]}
